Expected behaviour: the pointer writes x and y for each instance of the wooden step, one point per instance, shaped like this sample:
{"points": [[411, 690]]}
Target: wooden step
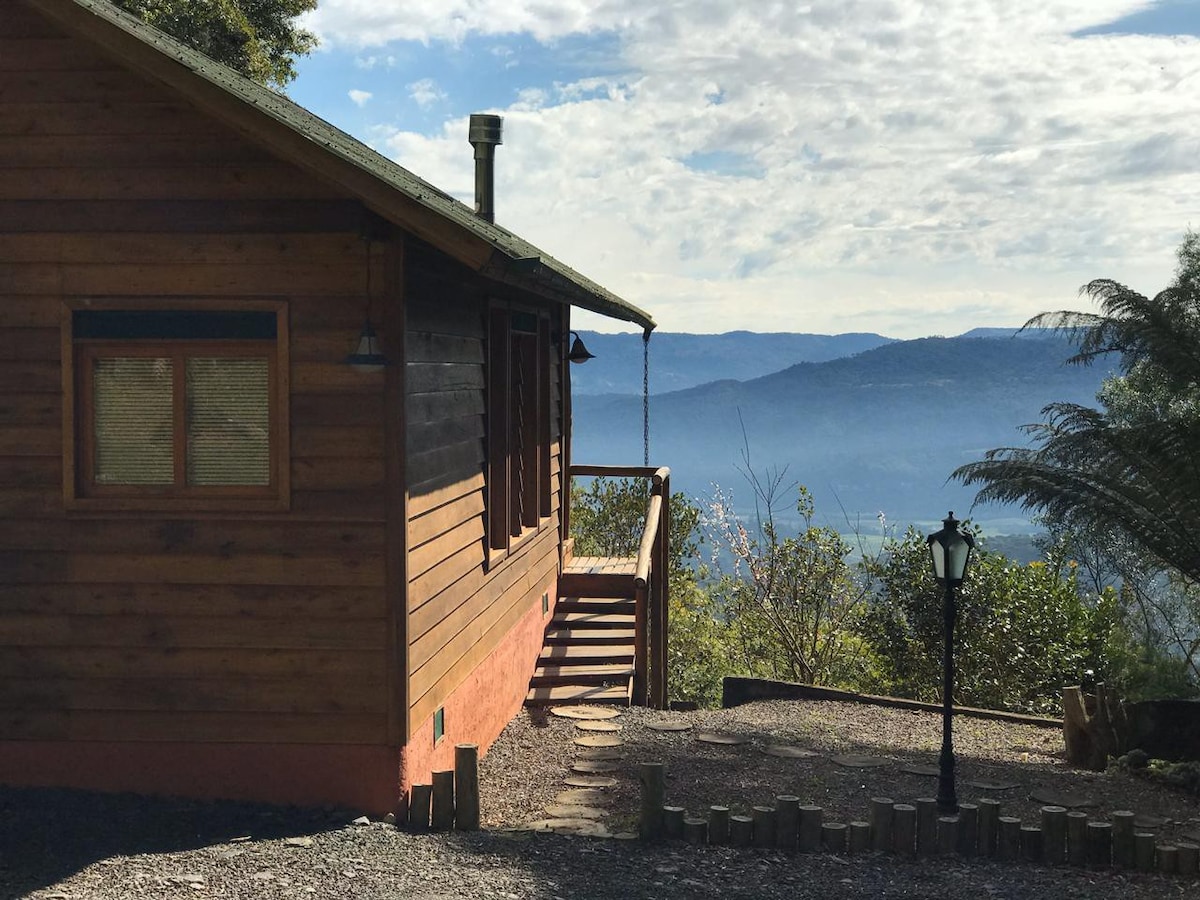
{"points": [[622, 606], [589, 635], [608, 673], [595, 619], [605, 652], [550, 695]]}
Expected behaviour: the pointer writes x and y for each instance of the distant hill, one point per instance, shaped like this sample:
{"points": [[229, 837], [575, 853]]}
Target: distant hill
{"points": [[679, 361], [878, 431]]}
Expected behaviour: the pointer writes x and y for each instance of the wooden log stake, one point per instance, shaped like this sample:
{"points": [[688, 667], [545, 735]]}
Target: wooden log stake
{"points": [[927, 817], [672, 818], [1122, 838], [1077, 838], [810, 827], [1031, 843], [881, 823], [653, 778], [1168, 859], [466, 787], [1054, 835], [442, 816], [968, 828], [718, 824], [1143, 851], [1008, 838], [1188, 860], [695, 830], [764, 825], [833, 837], [904, 829], [989, 825], [947, 835], [787, 821], [741, 830], [419, 798], [1099, 844], [860, 837]]}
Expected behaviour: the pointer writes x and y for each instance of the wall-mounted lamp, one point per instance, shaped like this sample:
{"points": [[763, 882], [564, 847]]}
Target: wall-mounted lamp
{"points": [[579, 353], [368, 356]]}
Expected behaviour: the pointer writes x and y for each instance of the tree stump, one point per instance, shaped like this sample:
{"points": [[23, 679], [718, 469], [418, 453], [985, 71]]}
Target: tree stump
{"points": [[1094, 727], [787, 821], [763, 818], [653, 777], [718, 824], [1122, 837], [672, 819], [989, 826], [927, 817], [466, 787], [741, 830], [1054, 835], [810, 827], [1143, 851], [881, 823], [833, 836]]}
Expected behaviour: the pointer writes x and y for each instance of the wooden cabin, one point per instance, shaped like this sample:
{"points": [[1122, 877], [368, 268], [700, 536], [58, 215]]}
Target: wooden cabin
{"points": [[233, 563]]}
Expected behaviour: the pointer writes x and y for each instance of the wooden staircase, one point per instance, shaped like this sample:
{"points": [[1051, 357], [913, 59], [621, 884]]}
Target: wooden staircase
{"points": [[590, 644]]}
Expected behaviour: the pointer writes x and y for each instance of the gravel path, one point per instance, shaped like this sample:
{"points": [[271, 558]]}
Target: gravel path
{"points": [[60, 844]]}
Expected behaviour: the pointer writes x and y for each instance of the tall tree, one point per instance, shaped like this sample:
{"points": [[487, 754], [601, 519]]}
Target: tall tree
{"points": [[1133, 464], [259, 38]]}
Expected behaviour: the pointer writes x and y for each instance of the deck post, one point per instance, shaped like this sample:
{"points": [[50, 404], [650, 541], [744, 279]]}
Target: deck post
{"points": [[640, 654], [662, 592]]}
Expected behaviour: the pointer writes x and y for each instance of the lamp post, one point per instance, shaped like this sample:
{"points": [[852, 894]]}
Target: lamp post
{"points": [[950, 550]]}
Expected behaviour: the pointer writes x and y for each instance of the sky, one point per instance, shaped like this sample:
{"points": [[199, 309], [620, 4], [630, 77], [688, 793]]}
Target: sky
{"points": [[905, 167]]}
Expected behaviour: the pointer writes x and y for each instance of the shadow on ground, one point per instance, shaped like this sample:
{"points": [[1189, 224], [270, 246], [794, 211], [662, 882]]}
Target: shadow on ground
{"points": [[49, 834]]}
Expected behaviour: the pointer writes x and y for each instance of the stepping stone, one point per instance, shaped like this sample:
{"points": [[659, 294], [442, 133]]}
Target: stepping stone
{"points": [[581, 797], [919, 769], [570, 811], [713, 737], [560, 826], [856, 761], [1055, 798], [598, 740], [599, 753], [593, 767], [786, 751], [985, 785], [590, 725], [586, 713], [590, 781], [1148, 821], [669, 726]]}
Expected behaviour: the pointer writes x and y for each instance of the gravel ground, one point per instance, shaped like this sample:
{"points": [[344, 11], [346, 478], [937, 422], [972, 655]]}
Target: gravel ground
{"points": [[63, 844]]}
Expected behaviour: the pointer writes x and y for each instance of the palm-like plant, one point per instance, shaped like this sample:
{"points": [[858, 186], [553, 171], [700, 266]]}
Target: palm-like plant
{"points": [[1134, 464]]}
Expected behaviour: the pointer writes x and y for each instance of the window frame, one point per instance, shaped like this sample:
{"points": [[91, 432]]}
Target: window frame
{"points": [[514, 515], [80, 490]]}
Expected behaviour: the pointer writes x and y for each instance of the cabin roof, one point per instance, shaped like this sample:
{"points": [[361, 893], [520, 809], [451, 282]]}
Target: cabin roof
{"points": [[292, 132]]}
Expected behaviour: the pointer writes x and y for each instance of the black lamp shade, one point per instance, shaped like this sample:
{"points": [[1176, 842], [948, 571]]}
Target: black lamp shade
{"points": [[950, 551], [579, 353]]}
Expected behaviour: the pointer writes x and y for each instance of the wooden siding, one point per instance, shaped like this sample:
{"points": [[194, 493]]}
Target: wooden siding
{"points": [[459, 609], [176, 626]]}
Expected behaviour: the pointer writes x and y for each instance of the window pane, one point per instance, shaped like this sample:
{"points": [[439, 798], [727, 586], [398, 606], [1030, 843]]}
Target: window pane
{"points": [[228, 429], [134, 436]]}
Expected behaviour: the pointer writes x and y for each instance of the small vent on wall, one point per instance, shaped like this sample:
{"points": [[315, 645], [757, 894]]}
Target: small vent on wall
{"points": [[439, 724]]}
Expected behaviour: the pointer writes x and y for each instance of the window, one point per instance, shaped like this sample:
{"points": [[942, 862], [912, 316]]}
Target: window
{"points": [[178, 408], [518, 425]]}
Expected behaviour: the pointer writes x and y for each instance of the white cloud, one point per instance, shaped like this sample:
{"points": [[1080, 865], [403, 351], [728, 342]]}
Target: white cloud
{"points": [[426, 92], [903, 159], [360, 98]]}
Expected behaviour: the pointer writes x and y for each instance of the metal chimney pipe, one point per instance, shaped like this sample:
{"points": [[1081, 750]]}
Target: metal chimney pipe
{"points": [[484, 135]]}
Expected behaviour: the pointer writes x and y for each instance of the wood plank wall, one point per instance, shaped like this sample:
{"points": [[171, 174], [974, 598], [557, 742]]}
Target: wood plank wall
{"points": [[213, 627], [458, 611]]}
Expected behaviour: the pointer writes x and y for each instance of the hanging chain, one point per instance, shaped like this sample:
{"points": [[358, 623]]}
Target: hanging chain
{"points": [[646, 397]]}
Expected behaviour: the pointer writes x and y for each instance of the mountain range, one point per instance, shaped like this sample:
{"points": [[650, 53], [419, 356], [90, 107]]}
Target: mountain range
{"points": [[875, 430]]}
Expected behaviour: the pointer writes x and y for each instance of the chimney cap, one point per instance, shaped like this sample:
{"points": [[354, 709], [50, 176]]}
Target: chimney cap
{"points": [[485, 129]]}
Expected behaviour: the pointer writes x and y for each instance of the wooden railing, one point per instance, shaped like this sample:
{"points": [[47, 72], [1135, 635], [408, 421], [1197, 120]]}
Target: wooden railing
{"points": [[651, 582]]}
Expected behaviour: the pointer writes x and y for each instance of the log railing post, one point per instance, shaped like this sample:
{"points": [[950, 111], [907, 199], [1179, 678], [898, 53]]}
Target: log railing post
{"points": [[660, 591], [640, 654]]}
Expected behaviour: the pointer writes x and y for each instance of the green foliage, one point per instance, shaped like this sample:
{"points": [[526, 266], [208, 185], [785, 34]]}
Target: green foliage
{"points": [[258, 38], [791, 602], [1129, 466], [1023, 631]]}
